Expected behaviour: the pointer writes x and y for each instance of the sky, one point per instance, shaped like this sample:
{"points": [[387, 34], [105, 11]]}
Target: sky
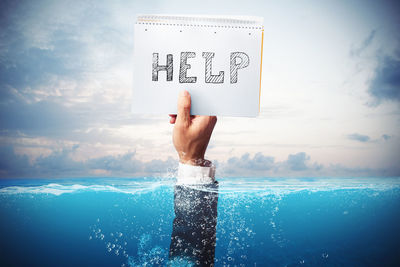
{"points": [[330, 98]]}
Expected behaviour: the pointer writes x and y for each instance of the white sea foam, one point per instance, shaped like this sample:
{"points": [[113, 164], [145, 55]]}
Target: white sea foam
{"points": [[282, 186], [261, 186], [129, 187]]}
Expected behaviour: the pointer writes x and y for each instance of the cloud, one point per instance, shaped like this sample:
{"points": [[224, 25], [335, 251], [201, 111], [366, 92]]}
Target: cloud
{"points": [[65, 72], [356, 51], [359, 137], [259, 165], [386, 83], [57, 164], [61, 163], [297, 162], [12, 165], [245, 163], [45, 118], [297, 165]]}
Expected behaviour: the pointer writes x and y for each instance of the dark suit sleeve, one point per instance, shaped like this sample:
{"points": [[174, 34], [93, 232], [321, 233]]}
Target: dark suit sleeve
{"points": [[194, 227]]}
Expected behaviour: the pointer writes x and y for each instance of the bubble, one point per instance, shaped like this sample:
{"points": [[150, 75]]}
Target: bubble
{"points": [[229, 258]]}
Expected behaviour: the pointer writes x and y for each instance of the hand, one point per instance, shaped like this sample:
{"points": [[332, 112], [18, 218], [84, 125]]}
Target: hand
{"points": [[191, 133]]}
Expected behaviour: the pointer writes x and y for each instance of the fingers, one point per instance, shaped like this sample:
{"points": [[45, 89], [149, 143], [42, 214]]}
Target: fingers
{"points": [[172, 118], [184, 103], [213, 120], [205, 123]]}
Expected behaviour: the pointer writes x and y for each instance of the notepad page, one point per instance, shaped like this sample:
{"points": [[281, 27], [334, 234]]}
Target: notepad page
{"points": [[217, 59]]}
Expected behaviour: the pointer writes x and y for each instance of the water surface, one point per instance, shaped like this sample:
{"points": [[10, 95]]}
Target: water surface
{"points": [[261, 222]]}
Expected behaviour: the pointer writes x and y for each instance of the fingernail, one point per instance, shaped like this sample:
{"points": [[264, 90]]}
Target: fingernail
{"points": [[185, 93]]}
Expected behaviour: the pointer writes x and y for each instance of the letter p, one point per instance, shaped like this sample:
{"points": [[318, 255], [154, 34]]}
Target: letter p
{"points": [[244, 62]]}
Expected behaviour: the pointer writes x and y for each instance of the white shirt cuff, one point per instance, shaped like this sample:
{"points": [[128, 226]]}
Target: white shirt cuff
{"points": [[189, 174]]}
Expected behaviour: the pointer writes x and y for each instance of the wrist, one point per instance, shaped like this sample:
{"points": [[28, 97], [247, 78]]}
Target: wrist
{"points": [[195, 162]]}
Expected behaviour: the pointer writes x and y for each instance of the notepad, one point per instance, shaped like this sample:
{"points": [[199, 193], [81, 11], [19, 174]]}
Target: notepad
{"points": [[218, 59]]}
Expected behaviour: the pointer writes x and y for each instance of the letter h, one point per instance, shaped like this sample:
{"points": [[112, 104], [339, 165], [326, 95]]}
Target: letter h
{"points": [[157, 68]]}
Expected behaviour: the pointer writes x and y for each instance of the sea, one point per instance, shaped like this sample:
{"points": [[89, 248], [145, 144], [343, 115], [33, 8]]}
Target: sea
{"points": [[260, 222]]}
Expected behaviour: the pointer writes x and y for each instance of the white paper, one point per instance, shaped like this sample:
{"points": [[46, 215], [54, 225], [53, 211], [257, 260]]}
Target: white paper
{"points": [[225, 39]]}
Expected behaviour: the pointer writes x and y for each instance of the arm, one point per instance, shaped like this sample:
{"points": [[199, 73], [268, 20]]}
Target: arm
{"points": [[191, 133], [196, 192]]}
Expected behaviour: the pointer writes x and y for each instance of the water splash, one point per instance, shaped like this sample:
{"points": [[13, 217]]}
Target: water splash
{"points": [[261, 186], [131, 186]]}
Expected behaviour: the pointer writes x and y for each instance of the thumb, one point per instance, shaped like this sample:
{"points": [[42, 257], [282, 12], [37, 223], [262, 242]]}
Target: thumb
{"points": [[184, 103]]}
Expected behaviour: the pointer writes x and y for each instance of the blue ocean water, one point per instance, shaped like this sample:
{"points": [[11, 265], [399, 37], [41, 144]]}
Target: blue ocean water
{"points": [[260, 222]]}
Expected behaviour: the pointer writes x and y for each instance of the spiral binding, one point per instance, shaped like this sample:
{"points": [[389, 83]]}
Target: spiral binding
{"points": [[202, 21]]}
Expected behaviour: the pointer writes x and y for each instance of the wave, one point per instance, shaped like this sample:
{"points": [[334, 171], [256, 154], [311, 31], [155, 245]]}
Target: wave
{"points": [[289, 185], [262, 186], [59, 189]]}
